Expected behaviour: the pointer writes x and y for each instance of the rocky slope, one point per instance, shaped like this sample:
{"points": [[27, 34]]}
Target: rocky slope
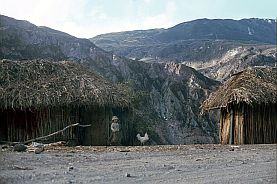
{"points": [[166, 97], [204, 44], [170, 95], [236, 60]]}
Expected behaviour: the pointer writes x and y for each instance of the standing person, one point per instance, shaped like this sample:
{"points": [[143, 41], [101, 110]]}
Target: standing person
{"points": [[115, 138]]}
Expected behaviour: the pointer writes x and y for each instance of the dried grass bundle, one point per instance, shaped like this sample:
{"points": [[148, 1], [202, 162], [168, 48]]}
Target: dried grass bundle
{"points": [[257, 85], [40, 83]]}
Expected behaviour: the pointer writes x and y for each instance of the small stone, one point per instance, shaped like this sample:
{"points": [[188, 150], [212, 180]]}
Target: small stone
{"points": [[128, 175], [232, 149], [30, 177], [19, 147], [39, 150], [168, 166], [4, 146]]}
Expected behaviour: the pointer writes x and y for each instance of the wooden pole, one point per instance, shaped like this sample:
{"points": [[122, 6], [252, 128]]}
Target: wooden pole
{"points": [[52, 134], [231, 127]]}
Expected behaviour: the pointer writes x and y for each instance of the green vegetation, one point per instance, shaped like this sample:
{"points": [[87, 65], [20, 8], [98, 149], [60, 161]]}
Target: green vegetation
{"points": [[136, 97]]}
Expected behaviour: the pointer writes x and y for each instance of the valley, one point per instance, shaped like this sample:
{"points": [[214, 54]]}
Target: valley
{"points": [[165, 73]]}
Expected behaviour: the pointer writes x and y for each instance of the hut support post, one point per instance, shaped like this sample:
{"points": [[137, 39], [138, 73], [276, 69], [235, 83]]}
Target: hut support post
{"points": [[231, 131]]}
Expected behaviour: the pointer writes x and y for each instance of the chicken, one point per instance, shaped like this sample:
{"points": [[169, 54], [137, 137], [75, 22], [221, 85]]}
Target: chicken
{"points": [[143, 139]]}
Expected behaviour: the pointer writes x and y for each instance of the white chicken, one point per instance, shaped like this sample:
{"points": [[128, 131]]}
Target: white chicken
{"points": [[143, 139]]}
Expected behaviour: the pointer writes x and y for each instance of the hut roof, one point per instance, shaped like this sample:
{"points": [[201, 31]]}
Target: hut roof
{"points": [[40, 83], [257, 85]]}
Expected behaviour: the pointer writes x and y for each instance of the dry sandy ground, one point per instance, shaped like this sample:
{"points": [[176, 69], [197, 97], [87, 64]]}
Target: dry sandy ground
{"points": [[147, 164]]}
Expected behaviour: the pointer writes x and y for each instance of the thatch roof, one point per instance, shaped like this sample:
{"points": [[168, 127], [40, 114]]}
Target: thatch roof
{"points": [[40, 83], [257, 85]]}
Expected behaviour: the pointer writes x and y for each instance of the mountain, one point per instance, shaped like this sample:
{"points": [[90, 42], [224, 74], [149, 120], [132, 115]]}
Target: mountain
{"points": [[165, 97], [246, 30], [23, 40], [256, 30], [202, 44]]}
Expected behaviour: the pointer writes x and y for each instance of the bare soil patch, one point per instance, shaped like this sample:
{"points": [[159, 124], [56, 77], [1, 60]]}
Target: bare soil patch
{"points": [[141, 164]]}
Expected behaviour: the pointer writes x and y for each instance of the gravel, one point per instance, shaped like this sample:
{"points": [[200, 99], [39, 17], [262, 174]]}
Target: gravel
{"points": [[143, 164]]}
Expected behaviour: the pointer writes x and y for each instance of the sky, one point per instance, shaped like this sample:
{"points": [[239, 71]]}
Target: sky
{"points": [[88, 18]]}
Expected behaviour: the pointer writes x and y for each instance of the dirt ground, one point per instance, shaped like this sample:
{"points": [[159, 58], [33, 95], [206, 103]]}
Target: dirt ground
{"points": [[146, 164]]}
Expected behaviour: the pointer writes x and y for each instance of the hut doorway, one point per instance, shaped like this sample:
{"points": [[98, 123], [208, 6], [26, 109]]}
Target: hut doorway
{"points": [[126, 125], [97, 133]]}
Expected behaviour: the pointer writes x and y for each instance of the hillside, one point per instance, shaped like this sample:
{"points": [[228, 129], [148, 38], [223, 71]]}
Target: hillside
{"points": [[202, 42], [24, 40], [166, 97], [245, 30], [255, 30]]}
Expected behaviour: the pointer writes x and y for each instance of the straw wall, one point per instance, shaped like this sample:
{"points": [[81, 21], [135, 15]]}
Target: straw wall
{"points": [[22, 125], [247, 124], [261, 123]]}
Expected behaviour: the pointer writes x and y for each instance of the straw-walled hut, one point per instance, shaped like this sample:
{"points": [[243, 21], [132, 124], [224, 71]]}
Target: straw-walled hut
{"points": [[248, 108], [39, 97]]}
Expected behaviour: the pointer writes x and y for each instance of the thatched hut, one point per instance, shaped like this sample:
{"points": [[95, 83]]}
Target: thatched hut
{"points": [[40, 97], [248, 108]]}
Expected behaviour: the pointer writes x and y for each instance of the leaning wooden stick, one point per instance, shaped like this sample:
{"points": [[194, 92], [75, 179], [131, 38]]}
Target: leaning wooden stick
{"points": [[55, 133]]}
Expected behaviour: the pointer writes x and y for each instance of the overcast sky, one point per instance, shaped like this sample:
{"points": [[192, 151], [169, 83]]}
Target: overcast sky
{"points": [[87, 18]]}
